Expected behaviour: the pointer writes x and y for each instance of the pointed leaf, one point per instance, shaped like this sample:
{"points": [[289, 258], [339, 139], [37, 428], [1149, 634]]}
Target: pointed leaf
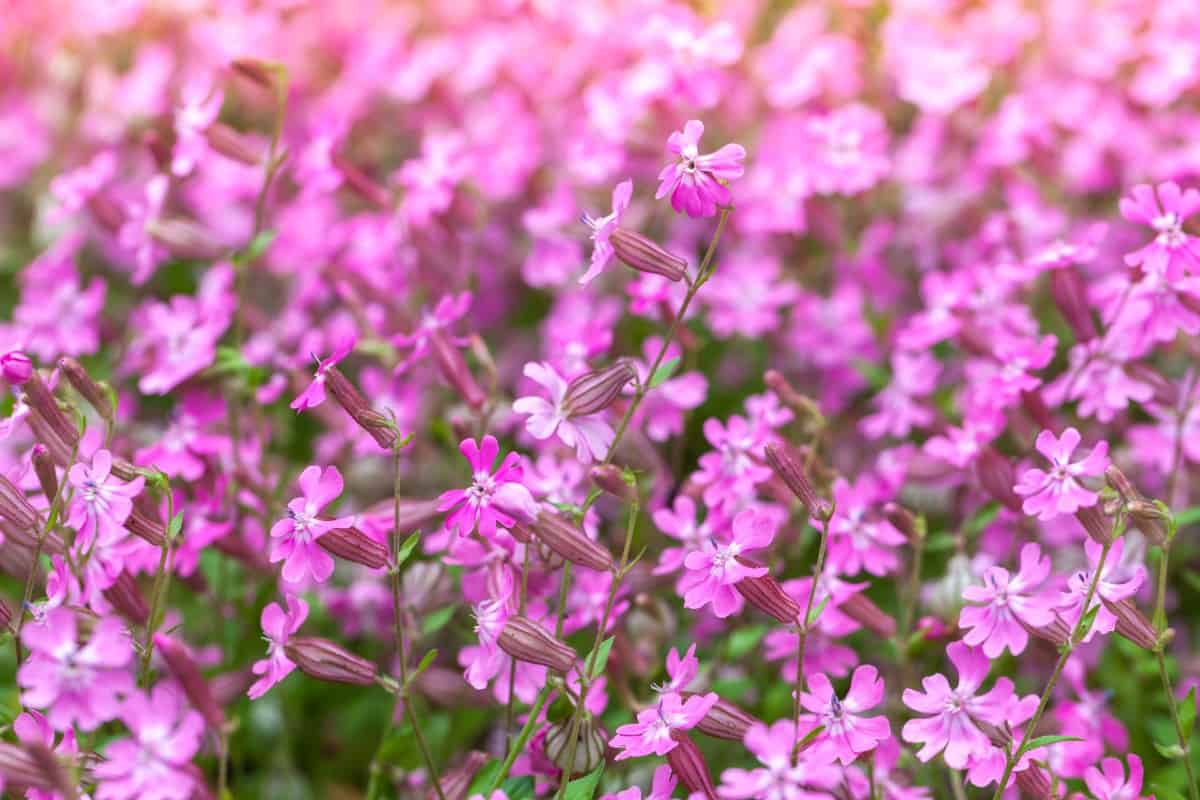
{"points": [[664, 372], [584, 788], [1187, 714], [406, 549], [437, 619], [601, 657], [1046, 741]]}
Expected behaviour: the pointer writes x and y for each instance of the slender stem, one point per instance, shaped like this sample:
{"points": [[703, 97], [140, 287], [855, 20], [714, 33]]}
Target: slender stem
{"points": [[1193, 787], [222, 764], [909, 611], [512, 672], [802, 631], [27, 597], [522, 739], [162, 585], [956, 785], [1160, 597]]}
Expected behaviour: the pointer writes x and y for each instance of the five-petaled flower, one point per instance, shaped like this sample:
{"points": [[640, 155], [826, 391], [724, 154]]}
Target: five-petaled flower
{"points": [[494, 498], [653, 733], [847, 732], [1059, 491], [295, 536], [695, 182], [277, 626], [602, 228]]}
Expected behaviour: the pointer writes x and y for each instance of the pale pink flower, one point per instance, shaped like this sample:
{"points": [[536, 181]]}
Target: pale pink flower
{"points": [[295, 536], [1118, 581], [714, 570], [652, 734], [589, 434], [102, 501], [314, 393], [780, 776], [1109, 781], [277, 625], [155, 762], [1049, 494], [602, 228], [199, 107], [1165, 208], [847, 733], [1006, 606], [32, 728], [696, 183]]}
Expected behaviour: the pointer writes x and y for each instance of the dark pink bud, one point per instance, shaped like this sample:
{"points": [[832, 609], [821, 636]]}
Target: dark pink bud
{"points": [[687, 762], [1035, 407], [1034, 783], [526, 640], [325, 661], [1070, 296], [863, 610], [195, 688], [255, 71], [997, 477], [185, 238], [43, 467], [725, 721], [15, 367], [382, 429], [362, 184], [5, 614], [1150, 518], [232, 144], [15, 507], [19, 768], [765, 594], [43, 407], [353, 545], [91, 391], [1132, 623], [611, 479], [570, 542], [1057, 632], [143, 521], [456, 782], [902, 520], [789, 469], [106, 212], [595, 391], [125, 596], [453, 368], [643, 255], [1095, 523]]}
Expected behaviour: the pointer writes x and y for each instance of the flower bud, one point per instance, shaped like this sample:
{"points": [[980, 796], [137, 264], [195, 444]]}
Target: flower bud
{"points": [[725, 721], [43, 467], [590, 745], [325, 661], [255, 71], [15, 507], [125, 596], [902, 520], [361, 183], [767, 595], [48, 763], [353, 545], [44, 407], [15, 367], [863, 610], [455, 783], [1035, 406], [997, 477], [1150, 518], [106, 212], [611, 479], [791, 472], [595, 391], [1070, 296], [185, 238], [643, 255], [232, 144], [236, 548], [687, 762], [447, 687], [91, 391], [195, 688], [1132, 623], [381, 429], [5, 614], [1056, 633], [1034, 783], [143, 521], [453, 368], [570, 542], [526, 640], [19, 768], [1095, 523]]}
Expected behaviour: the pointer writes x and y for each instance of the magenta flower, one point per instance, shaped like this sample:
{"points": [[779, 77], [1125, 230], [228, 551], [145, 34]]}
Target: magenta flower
{"points": [[135, 236], [277, 626], [602, 228], [1048, 494], [954, 714], [1109, 782], [485, 661], [1006, 606], [493, 498], [694, 181], [847, 733], [662, 788], [15, 367], [76, 685], [714, 570], [589, 434], [155, 762], [859, 538], [781, 777], [1165, 208], [314, 394], [652, 733], [102, 501], [448, 310], [1117, 582], [199, 107], [295, 536]]}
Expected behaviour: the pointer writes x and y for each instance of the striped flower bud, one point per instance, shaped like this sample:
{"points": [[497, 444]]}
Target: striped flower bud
{"points": [[526, 640], [5, 614], [767, 595], [455, 783], [1150, 518], [863, 610], [125, 596], [353, 545], [1034, 783], [143, 521], [1095, 523], [381, 429], [43, 467], [725, 721], [91, 391], [15, 507], [232, 144], [185, 238], [44, 407], [570, 542], [902, 520], [595, 391], [360, 183], [997, 477], [789, 469], [590, 745], [687, 762], [611, 479], [195, 688], [47, 761], [15, 367], [322, 659], [643, 255], [18, 768], [59, 450], [1070, 296], [453, 368], [1132, 623], [1056, 633]]}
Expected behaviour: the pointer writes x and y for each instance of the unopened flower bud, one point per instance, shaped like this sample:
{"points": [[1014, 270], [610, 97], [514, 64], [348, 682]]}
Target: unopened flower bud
{"points": [[14, 506], [455, 783], [18, 768], [767, 595], [125, 596], [195, 687], [47, 761], [232, 144], [1132, 623], [1070, 296], [5, 614], [725, 721], [15, 367], [1035, 406], [143, 521], [590, 745], [570, 542], [1056, 633], [687, 762], [353, 545], [362, 184], [863, 610], [322, 659], [1150, 518], [595, 391], [997, 477], [643, 255], [611, 479], [903, 520], [1095, 523], [526, 640], [453, 368], [1034, 783], [44, 408], [789, 469], [185, 238], [257, 72], [43, 467], [91, 391], [381, 429]]}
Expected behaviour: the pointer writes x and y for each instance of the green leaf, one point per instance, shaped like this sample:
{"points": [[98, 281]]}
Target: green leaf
{"points": [[1046, 741], [426, 660], [940, 541], [519, 788], [810, 737], [1086, 623], [1187, 714], [258, 245], [483, 779], [981, 519], [601, 657], [407, 548], [584, 788], [665, 370], [743, 640], [436, 620], [815, 613], [1165, 792], [175, 526], [1188, 516], [1169, 751]]}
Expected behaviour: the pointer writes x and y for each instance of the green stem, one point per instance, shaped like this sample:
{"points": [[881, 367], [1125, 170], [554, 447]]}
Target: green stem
{"points": [[162, 587], [522, 740], [1193, 787], [512, 672], [51, 522], [818, 569]]}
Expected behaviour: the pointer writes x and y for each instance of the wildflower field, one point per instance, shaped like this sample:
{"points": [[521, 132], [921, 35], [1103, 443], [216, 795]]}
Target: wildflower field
{"points": [[599, 399]]}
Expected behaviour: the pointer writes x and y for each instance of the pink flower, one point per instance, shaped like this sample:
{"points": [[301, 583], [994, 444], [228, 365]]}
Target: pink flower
{"points": [[135, 235], [32, 728], [781, 777], [716, 568], [652, 733], [295, 536], [493, 498], [1008, 605], [102, 501], [1117, 582], [679, 522], [681, 671], [847, 734], [1108, 781], [859, 538], [694, 181], [155, 762], [955, 713], [77, 685], [730, 474], [277, 626], [1048, 494], [448, 310], [314, 394], [848, 150], [602, 228], [15, 367], [589, 434], [663, 788], [1171, 253], [199, 107]]}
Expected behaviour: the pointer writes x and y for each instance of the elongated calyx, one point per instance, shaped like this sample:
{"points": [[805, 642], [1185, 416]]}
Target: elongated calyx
{"points": [[195, 687], [595, 391], [353, 545], [526, 640], [640, 253], [789, 469], [569, 541], [322, 659]]}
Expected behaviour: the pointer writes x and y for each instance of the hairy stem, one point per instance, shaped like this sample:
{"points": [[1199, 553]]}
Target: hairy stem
{"points": [[802, 632], [162, 585], [1193, 787]]}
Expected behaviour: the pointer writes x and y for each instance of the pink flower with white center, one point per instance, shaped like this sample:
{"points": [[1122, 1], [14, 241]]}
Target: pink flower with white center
{"points": [[32, 728], [602, 228], [847, 733], [781, 777], [1097, 378], [589, 434], [295, 536], [954, 713], [914, 375], [1006, 606], [662, 788], [1171, 253], [860, 538], [1049, 494], [155, 762], [199, 107], [429, 181], [1109, 781], [960, 446], [485, 661], [715, 569], [494, 498], [694, 181], [849, 150], [652, 734], [76, 685], [1118, 581], [73, 189], [278, 626], [680, 523], [448, 310], [730, 474], [102, 501], [134, 236], [681, 671], [314, 394]]}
